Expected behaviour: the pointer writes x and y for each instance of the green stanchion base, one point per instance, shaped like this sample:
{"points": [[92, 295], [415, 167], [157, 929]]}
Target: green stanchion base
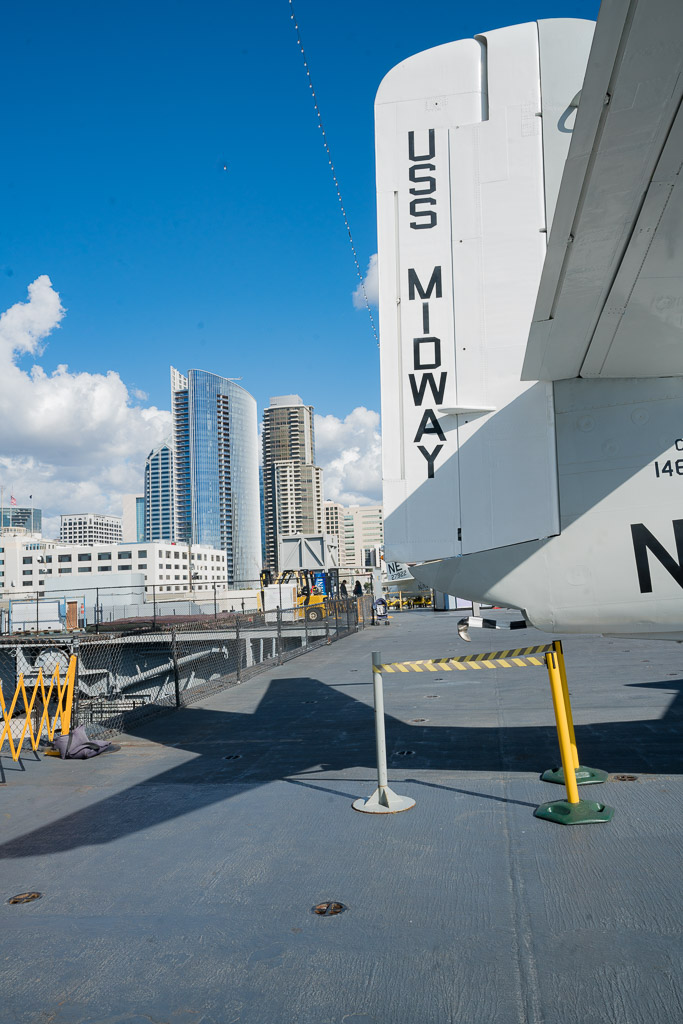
{"points": [[584, 776], [586, 812]]}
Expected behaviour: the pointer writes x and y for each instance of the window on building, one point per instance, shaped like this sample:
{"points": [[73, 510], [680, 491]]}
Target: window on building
{"points": [[142, 554], [63, 558], [48, 558], [142, 565], [85, 568], [104, 556], [27, 572], [85, 558], [28, 560], [105, 568], [64, 571], [26, 583], [125, 554], [122, 568]]}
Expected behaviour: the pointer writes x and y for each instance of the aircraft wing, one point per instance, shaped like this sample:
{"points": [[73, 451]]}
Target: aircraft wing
{"points": [[610, 301]]}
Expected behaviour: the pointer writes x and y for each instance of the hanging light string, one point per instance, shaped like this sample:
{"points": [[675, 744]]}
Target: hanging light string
{"points": [[345, 218]]}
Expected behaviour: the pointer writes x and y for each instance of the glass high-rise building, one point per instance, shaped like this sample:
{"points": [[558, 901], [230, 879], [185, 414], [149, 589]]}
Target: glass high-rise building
{"points": [[216, 476], [158, 500]]}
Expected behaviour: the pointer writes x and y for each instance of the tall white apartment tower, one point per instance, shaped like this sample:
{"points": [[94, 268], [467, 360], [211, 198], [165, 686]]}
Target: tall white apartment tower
{"points": [[292, 483]]}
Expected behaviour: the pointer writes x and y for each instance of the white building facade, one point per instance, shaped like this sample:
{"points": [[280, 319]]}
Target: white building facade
{"points": [[90, 528], [360, 529], [27, 561]]}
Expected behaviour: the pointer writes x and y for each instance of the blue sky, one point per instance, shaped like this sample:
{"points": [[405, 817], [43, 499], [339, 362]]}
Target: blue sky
{"points": [[118, 121]]}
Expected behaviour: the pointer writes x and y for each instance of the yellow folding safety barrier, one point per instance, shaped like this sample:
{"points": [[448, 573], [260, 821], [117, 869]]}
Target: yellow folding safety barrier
{"points": [[64, 693]]}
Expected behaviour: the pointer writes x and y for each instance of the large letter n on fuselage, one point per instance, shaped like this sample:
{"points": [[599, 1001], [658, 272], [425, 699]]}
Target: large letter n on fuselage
{"points": [[642, 540]]}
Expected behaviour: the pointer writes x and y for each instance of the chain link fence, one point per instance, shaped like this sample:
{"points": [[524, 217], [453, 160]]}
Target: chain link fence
{"points": [[123, 677]]}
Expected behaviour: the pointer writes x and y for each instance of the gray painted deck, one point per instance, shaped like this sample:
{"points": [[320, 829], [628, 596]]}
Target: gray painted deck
{"points": [[178, 885]]}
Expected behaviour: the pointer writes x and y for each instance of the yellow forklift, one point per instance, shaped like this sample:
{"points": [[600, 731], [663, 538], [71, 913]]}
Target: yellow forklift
{"points": [[312, 589]]}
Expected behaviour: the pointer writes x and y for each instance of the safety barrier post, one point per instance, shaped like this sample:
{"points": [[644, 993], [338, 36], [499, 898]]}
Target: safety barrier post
{"points": [[75, 661], [67, 708], [176, 670], [279, 635], [239, 649], [571, 811], [383, 800], [584, 776]]}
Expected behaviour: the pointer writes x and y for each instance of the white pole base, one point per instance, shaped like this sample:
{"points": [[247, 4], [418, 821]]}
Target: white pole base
{"points": [[384, 801]]}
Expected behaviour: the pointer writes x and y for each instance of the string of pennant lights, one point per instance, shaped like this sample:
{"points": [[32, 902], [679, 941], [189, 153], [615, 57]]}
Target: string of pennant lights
{"points": [[326, 146]]}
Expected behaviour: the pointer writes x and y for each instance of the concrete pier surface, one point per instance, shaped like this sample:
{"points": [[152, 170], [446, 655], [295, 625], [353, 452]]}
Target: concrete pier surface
{"points": [[178, 875]]}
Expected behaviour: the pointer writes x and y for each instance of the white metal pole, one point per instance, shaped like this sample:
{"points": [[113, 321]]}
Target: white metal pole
{"points": [[380, 735], [383, 800]]}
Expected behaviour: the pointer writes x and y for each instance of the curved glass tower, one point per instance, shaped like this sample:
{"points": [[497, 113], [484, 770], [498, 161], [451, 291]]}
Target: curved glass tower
{"points": [[216, 470]]}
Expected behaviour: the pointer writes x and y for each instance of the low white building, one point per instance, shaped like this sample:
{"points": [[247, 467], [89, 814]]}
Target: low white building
{"points": [[90, 528], [27, 561]]}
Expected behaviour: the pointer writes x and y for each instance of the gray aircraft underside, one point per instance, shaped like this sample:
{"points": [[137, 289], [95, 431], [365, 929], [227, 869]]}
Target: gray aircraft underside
{"points": [[530, 222]]}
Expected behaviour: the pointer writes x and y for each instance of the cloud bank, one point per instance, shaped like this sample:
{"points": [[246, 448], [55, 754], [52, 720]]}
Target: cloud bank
{"points": [[350, 453], [75, 441], [371, 283]]}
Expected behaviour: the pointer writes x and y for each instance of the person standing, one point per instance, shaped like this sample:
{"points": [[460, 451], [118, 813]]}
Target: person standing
{"points": [[358, 589]]}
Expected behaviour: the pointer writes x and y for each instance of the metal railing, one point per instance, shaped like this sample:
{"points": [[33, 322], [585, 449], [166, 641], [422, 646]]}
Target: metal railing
{"points": [[122, 677]]}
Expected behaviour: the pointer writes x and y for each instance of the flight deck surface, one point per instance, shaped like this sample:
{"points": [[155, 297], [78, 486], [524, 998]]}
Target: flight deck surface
{"points": [[179, 873]]}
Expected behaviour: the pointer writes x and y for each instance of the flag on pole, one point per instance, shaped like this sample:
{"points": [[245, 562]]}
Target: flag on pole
{"points": [[12, 501]]}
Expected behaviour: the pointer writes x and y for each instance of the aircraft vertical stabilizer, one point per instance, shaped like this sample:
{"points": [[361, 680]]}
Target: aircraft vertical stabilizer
{"points": [[471, 141]]}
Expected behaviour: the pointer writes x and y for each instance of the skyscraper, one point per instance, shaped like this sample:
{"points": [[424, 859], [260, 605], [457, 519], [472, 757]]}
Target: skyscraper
{"points": [[158, 502], [216, 484], [292, 483]]}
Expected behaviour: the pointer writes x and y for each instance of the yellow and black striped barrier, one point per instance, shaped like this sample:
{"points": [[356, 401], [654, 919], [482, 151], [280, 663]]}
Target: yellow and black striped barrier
{"points": [[571, 811], [61, 692], [517, 657]]}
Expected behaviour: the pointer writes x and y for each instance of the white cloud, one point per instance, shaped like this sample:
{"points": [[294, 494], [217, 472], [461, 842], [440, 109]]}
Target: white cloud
{"points": [[371, 283], [75, 441], [350, 453]]}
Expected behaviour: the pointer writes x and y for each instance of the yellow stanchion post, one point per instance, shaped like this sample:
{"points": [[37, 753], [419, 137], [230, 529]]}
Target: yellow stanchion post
{"points": [[584, 776], [65, 714], [571, 811], [563, 734], [557, 644]]}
